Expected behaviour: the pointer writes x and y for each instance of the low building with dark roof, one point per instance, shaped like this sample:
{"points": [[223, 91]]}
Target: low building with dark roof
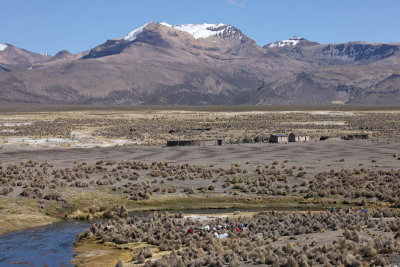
{"points": [[278, 138]]}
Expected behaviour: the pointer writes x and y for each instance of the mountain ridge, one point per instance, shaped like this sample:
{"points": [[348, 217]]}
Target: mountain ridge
{"points": [[204, 64]]}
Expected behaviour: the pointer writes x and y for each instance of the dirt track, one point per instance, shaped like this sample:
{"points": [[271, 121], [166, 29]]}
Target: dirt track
{"points": [[314, 156]]}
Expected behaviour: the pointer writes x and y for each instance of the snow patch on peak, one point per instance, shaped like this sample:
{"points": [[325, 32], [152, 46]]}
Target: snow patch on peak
{"points": [[133, 34], [289, 42], [166, 24], [198, 31], [296, 38], [204, 30], [3, 47]]}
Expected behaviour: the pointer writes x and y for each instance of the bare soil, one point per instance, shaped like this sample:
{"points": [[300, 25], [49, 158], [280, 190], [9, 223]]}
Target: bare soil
{"points": [[315, 156]]}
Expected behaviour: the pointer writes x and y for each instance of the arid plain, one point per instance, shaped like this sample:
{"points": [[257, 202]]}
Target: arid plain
{"points": [[330, 201]]}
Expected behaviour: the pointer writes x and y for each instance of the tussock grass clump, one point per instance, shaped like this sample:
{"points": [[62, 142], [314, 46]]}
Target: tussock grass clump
{"points": [[54, 196]]}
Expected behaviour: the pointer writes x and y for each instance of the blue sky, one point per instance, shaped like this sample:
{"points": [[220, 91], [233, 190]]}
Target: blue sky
{"points": [[50, 25]]}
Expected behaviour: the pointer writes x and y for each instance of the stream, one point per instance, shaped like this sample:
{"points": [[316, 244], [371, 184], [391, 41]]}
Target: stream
{"points": [[49, 245]]}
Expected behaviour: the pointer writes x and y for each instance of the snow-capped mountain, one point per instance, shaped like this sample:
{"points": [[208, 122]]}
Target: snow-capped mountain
{"points": [[203, 38], [292, 42], [198, 31]]}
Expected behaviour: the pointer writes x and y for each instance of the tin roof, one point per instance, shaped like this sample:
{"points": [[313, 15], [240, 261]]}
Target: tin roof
{"points": [[279, 135]]}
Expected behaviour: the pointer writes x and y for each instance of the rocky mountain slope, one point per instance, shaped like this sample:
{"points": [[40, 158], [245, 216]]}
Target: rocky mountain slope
{"points": [[14, 58], [203, 64]]}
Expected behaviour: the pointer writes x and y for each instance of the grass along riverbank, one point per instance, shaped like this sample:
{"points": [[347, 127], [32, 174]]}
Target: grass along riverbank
{"points": [[21, 213]]}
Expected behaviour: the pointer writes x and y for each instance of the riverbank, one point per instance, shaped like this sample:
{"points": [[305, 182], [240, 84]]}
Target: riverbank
{"points": [[20, 213]]}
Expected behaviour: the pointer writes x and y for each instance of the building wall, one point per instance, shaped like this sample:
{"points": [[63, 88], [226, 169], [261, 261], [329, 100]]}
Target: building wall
{"points": [[303, 138], [278, 139], [298, 138]]}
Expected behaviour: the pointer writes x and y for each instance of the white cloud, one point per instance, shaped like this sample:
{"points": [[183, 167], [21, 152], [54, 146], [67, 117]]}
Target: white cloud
{"points": [[236, 3]]}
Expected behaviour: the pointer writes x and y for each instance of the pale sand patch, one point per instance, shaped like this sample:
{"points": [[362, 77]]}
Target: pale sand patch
{"points": [[341, 123], [73, 142], [208, 217], [13, 124], [334, 113]]}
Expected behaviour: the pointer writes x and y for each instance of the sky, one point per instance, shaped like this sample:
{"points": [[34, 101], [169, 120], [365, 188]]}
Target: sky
{"points": [[49, 26]]}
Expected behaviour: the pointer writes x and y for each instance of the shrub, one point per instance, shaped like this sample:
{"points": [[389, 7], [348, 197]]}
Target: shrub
{"points": [[368, 251]]}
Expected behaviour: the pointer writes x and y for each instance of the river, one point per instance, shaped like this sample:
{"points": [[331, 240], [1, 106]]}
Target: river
{"points": [[49, 245]]}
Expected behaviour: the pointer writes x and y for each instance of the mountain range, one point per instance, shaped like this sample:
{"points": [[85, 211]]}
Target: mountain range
{"points": [[203, 64]]}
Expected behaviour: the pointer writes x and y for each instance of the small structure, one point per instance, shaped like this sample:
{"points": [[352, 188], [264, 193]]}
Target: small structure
{"points": [[184, 143], [195, 142], [298, 137], [278, 138], [355, 136]]}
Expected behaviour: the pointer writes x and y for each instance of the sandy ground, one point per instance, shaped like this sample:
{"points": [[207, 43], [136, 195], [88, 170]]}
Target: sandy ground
{"points": [[315, 156]]}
